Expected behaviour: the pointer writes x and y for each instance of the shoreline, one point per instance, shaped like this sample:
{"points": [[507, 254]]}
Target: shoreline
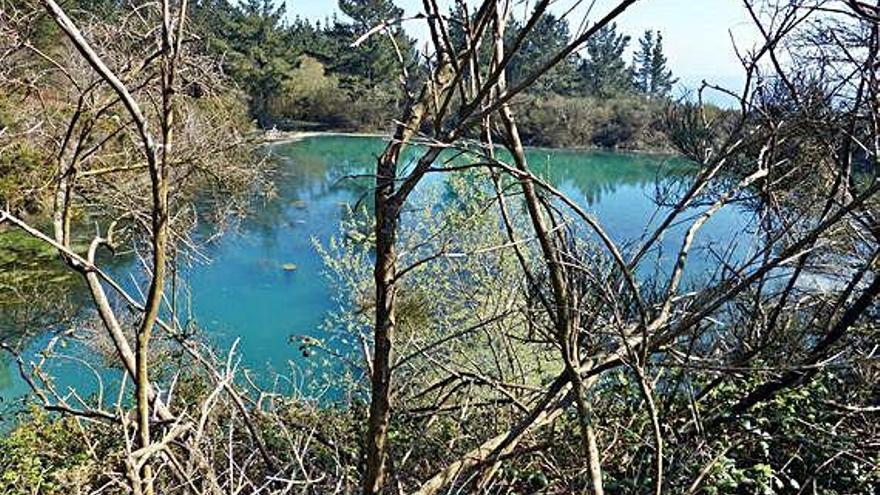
{"points": [[284, 137]]}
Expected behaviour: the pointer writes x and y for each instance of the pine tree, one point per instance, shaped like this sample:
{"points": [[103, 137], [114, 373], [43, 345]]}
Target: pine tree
{"points": [[661, 77], [549, 36], [651, 76], [457, 23], [376, 60], [642, 63], [368, 13], [256, 44], [604, 72]]}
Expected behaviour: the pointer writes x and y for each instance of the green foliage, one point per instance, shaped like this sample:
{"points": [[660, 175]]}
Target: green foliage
{"points": [[604, 71], [549, 36], [651, 76], [457, 23], [40, 30], [46, 455], [439, 297], [628, 122], [308, 90], [795, 437], [642, 62], [22, 170], [661, 77], [295, 72], [16, 245], [368, 13], [374, 62], [694, 128], [300, 71], [254, 39]]}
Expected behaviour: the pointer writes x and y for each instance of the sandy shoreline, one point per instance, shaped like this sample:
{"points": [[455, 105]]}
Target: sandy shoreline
{"points": [[281, 137]]}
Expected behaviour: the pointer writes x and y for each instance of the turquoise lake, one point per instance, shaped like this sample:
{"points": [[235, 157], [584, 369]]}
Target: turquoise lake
{"points": [[245, 293]]}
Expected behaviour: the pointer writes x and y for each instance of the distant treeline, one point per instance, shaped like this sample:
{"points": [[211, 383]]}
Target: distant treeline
{"points": [[297, 73]]}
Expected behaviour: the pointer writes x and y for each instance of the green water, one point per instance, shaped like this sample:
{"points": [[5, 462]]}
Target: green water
{"points": [[245, 293]]}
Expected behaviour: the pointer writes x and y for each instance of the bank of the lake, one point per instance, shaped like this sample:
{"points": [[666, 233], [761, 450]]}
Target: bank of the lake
{"points": [[275, 136]]}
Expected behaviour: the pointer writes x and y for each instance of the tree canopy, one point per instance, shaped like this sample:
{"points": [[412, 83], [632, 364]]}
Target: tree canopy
{"points": [[549, 35], [262, 48], [651, 75], [603, 70]]}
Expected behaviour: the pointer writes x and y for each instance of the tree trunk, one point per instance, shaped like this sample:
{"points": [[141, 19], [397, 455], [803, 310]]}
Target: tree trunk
{"points": [[384, 273]]}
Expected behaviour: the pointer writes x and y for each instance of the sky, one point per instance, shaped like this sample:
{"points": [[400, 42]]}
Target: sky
{"points": [[698, 35]]}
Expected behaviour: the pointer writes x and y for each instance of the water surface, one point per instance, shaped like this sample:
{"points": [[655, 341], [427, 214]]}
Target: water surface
{"points": [[246, 294]]}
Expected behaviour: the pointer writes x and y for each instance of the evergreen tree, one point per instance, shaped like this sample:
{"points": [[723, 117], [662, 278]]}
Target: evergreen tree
{"points": [[368, 13], [256, 44], [456, 26], [604, 72], [312, 40], [375, 61], [650, 73], [457, 23], [642, 63], [549, 36], [661, 77]]}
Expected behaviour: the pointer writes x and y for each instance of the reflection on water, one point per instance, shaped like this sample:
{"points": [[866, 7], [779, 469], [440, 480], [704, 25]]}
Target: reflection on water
{"points": [[247, 293]]}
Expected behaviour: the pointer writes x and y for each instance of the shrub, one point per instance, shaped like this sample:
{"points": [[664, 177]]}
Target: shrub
{"points": [[46, 455], [21, 172], [626, 122]]}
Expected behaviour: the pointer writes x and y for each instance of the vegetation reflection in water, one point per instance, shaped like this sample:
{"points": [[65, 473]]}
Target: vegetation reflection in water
{"points": [[266, 282]]}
